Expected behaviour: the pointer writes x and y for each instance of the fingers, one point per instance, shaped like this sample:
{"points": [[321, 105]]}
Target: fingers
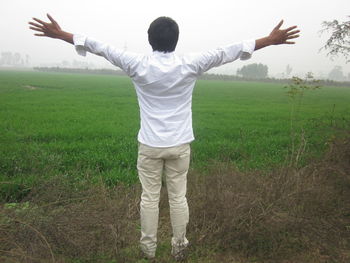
{"points": [[45, 29], [290, 28], [39, 21], [279, 25], [283, 36], [293, 36], [293, 32], [36, 29], [35, 24], [53, 21]]}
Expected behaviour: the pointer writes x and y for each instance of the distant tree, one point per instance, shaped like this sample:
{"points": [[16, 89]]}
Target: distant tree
{"points": [[253, 71], [16, 59], [289, 70], [6, 58], [339, 41], [336, 74], [27, 60], [65, 63]]}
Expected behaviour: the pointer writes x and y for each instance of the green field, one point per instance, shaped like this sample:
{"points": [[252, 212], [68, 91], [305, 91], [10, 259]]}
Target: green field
{"points": [[85, 126], [269, 179]]}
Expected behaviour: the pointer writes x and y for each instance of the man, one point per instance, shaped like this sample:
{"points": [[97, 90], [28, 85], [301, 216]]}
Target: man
{"points": [[164, 84]]}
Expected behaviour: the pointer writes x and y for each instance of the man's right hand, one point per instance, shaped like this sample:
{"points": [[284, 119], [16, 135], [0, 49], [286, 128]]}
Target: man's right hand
{"points": [[52, 30]]}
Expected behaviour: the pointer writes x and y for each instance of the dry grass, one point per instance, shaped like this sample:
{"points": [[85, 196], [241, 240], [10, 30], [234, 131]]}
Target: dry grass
{"points": [[279, 215], [289, 215]]}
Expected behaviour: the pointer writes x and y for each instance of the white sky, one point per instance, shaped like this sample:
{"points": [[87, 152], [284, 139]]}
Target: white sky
{"points": [[203, 25]]}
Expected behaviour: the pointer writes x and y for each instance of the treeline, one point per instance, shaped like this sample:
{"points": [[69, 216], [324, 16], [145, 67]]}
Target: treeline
{"points": [[13, 59], [81, 70], [206, 76], [323, 82]]}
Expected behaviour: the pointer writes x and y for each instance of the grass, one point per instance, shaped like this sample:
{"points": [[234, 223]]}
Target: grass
{"points": [[286, 215], [68, 171], [85, 126]]}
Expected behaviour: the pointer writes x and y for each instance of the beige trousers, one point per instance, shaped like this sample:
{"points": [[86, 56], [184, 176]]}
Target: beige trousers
{"points": [[151, 163]]}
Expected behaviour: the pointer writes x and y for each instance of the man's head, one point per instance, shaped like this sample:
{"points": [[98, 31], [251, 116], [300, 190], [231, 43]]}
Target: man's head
{"points": [[163, 34]]}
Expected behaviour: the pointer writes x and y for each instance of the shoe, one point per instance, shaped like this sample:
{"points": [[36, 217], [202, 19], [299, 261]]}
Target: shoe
{"points": [[180, 251], [147, 255]]}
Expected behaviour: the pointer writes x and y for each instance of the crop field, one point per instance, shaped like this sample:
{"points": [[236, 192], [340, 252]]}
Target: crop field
{"points": [[85, 126], [269, 178]]}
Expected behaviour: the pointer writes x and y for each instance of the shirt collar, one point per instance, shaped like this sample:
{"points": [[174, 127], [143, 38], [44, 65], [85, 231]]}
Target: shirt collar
{"points": [[163, 54]]}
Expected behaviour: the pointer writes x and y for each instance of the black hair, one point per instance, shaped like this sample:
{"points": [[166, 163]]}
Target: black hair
{"points": [[163, 34]]}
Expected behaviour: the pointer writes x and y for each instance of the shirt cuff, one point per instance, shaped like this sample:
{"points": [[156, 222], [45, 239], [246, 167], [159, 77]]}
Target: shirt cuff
{"points": [[79, 43], [247, 49]]}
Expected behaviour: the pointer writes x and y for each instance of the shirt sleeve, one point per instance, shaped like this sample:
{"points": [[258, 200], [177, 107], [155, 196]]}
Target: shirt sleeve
{"points": [[220, 56], [127, 61]]}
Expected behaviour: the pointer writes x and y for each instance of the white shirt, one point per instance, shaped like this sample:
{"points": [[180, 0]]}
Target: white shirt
{"points": [[164, 84]]}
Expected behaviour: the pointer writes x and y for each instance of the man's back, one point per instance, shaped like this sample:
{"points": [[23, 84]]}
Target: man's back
{"points": [[164, 84]]}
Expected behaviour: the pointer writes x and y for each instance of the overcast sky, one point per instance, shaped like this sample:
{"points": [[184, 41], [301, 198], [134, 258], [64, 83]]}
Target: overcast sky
{"points": [[203, 25]]}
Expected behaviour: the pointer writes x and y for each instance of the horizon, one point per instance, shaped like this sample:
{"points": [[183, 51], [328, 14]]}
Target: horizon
{"points": [[210, 22]]}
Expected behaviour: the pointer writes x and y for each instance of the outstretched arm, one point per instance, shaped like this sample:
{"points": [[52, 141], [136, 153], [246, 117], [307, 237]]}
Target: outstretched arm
{"points": [[127, 61], [242, 50], [278, 36], [52, 30]]}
